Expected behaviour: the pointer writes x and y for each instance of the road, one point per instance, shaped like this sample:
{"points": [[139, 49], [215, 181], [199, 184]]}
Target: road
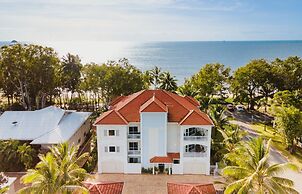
{"points": [[275, 157]]}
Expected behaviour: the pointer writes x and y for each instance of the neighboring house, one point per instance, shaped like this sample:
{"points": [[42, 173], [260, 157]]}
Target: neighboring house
{"points": [[45, 127], [104, 187], [154, 128]]}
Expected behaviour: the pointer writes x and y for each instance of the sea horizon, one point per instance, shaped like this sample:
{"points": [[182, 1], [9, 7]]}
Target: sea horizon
{"points": [[181, 58]]}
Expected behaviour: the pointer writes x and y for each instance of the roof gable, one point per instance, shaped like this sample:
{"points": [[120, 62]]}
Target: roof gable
{"points": [[190, 188], [111, 117], [153, 105], [195, 118]]}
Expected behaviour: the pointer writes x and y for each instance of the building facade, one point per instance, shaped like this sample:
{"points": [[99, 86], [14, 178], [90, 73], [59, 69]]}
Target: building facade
{"points": [[154, 130]]}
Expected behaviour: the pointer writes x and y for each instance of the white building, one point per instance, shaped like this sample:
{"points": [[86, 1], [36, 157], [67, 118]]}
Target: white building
{"points": [[154, 128], [45, 127]]}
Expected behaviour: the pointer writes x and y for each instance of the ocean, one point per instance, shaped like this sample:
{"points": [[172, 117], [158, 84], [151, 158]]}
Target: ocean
{"points": [[182, 59]]}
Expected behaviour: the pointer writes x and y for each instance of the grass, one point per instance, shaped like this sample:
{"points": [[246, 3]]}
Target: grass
{"points": [[278, 143]]}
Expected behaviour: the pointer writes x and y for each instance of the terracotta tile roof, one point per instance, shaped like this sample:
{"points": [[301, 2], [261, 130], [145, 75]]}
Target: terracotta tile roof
{"points": [[178, 108], [174, 155], [111, 117], [153, 105], [195, 118], [116, 100], [161, 159], [192, 100], [104, 187], [190, 188]]}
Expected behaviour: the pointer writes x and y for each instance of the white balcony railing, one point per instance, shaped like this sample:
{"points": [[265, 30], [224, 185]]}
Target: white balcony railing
{"points": [[134, 152], [195, 154], [134, 136], [196, 138]]}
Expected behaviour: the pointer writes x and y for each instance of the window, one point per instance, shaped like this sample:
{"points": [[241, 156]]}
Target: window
{"points": [[111, 148], [79, 140], [111, 132], [195, 148], [176, 161], [133, 145], [133, 130], [134, 160], [195, 131]]}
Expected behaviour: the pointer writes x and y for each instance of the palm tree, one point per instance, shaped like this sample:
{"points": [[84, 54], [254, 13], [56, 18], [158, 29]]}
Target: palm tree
{"points": [[168, 82], [232, 136], [155, 75], [216, 113], [57, 172], [253, 173]]}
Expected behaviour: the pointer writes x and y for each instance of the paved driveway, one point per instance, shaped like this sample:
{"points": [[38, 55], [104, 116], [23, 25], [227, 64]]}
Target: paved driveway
{"points": [[151, 184]]}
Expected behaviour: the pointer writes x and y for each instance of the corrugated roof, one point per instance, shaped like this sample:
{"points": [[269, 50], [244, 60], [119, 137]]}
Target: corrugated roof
{"points": [[190, 188], [178, 108], [52, 122]]}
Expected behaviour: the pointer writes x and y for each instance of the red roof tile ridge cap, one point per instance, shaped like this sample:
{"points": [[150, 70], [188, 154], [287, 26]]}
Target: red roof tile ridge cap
{"points": [[138, 94], [185, 118], [155, 100], [121, 116]]}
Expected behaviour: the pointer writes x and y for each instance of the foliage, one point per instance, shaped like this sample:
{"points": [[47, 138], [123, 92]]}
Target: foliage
{"points": [[112, 79], [288, 73], [28, 72], [3, 180], [15, 156], [289, 122], [288, 98], [70, 72], [168, 82], [91, 163], [253, 81], [57, 172], [211, 80], [254, 174]]}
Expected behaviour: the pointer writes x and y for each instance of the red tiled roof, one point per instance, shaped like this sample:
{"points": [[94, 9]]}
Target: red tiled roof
{"points": [[161, 159], [104, 187], [153, 105], [178, 108], [192, 100], [190, 188], [174, 155], [116, 100], [111, 117]]}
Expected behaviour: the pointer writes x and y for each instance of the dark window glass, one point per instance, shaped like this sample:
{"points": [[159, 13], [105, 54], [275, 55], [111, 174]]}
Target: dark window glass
{"points": [[111, 148], [133, 130], [133, 145], [175, 161], [111, 132]]}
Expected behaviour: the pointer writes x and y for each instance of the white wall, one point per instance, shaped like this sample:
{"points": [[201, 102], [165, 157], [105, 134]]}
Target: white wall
{"points": [[173, 137], [195, 165], [112, 162], [80, 134], [154, 135]]}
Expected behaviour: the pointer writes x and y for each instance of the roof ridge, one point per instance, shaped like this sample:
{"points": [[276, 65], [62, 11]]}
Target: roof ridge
{"points": [[168, 93], [138, 94], [185, 117]]}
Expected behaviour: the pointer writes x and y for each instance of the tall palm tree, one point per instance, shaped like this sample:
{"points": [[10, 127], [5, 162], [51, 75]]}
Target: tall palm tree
{"points": [[168, 82], [155, 75], [254, 174], [57, 172]]}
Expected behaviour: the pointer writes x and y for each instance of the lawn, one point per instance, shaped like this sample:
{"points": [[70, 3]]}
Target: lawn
{"points": [[278, 142]]}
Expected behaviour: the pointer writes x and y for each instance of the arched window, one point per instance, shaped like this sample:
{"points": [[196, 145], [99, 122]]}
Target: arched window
{"points": [[196, 131], [195, 148]]}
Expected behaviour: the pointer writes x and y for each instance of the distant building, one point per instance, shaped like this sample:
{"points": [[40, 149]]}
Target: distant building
{"points": [[154, 128], [45, 127]]}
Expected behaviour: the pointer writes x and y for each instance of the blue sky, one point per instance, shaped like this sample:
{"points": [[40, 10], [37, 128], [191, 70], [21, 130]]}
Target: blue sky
{"points": [[150, 20]]}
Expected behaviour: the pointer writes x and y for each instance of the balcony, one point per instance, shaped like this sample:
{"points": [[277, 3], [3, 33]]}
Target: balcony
{"points": [[196, 138], [134, 136], [134, 152], [195, 154]]}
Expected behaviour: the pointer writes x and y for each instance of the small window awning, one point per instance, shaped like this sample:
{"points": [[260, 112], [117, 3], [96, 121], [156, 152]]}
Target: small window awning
{"points": [[161, 159], [174, 155]]}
